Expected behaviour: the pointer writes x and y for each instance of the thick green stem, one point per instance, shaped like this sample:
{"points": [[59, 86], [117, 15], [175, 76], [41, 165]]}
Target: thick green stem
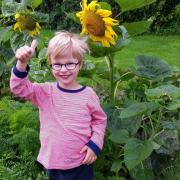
{"points": [[112, 82]]}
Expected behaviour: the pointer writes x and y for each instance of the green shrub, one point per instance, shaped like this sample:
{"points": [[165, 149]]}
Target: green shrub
{"points": [[19, 141]]}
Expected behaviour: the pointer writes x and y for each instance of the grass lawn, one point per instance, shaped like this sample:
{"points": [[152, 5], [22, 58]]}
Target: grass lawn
{"points": [[164, 47]]}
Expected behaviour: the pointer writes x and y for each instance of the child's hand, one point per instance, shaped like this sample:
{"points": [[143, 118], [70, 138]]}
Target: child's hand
{"points": [[90, 155], [24, 53]]}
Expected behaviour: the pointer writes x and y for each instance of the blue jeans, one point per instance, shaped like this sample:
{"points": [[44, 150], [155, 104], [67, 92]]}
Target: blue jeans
{"points": [[83, 172]]}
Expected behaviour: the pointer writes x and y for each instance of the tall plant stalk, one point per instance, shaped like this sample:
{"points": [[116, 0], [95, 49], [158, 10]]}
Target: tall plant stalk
{"points": [[110, 59]]}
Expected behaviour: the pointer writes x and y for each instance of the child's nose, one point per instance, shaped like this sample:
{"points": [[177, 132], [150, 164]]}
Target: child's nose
{"points": [[63, 68]]}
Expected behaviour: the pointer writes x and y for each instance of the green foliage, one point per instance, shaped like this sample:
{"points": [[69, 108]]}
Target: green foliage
{"points": [[143, 118], [130, 4], [141, 125], [165, 14], [19, 141], [143, 150], [151, 67], [136, 28], [59, 19]]}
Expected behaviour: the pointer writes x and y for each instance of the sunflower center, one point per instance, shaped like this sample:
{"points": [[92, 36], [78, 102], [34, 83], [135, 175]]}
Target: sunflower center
{"points": [[27, 22], [94, 23]]}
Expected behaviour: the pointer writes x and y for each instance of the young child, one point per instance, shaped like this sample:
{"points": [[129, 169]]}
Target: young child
{"points": [[72, 122]]}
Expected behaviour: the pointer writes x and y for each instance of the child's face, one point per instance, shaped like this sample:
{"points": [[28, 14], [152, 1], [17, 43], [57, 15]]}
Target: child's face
{"points": [[65, 70]]}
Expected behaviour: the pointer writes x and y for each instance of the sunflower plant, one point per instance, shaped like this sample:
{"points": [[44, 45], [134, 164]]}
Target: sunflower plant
{"points": [[107, 35], [23, 21]]}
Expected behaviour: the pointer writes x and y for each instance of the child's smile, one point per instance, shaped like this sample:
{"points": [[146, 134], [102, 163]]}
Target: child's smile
{"points": [[65, 70]]}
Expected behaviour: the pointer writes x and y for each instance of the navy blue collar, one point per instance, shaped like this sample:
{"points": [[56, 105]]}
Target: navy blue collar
{"points": [[70, 90]]}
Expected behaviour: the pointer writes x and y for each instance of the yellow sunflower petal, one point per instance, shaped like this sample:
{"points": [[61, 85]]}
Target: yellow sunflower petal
{"points": [[38, 26], [37, 30], [32, 33], [18, 26], [108, 35], [110, 21], [79, 14], [105, 43], [103, 13], [84, 30], [93, 6], [109, 28], [17, 15]]}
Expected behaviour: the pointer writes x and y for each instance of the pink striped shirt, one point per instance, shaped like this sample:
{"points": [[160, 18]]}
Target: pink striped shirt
{"points": [[69, 119]]}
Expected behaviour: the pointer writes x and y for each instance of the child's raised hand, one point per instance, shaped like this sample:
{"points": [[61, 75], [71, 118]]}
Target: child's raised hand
{"points": [[24, 53], [90, 155]]}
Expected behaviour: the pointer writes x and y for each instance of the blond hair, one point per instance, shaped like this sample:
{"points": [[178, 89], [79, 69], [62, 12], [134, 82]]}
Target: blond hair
{"points": [[64, 43]]}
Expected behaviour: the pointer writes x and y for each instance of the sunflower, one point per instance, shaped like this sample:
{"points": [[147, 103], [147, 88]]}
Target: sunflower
{"points": [[26, 22], [97, 23]]}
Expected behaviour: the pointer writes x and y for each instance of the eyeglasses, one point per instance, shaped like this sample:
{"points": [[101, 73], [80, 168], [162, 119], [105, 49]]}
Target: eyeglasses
{"points": [[69, 66]]}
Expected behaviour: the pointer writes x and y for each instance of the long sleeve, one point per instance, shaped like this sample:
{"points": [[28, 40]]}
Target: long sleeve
{"points": [[22, 87], [99, 122]]}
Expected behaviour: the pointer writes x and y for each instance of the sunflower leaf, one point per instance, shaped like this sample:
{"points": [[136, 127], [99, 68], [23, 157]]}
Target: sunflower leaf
{"points": [[127, 5], [9, 8], [174, 105], [36, 3], [136, 28], [143, 150], [169, 90], [105, 5], [151, 67], [6, 34]]}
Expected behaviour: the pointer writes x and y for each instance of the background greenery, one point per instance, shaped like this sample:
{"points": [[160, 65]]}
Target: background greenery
{"points": [[144, 122]]}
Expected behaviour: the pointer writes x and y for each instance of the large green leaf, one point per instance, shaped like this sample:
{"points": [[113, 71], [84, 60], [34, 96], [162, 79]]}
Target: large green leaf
{"points": [[9, 7], [137, 109], [105, 5], [116, 166], [127, 5], [136, 151], [169, 141], [120, 136], [41, 17], [31, 3], [113, 122], [151, 67], [36, 3], [6, 34], [131, 124], [17, 41], [133, 110], [174, 105], [136, 28], [168, 90], [6, 52], [175, 125]]}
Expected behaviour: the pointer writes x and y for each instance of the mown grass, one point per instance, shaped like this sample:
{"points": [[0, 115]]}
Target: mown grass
{"points": [[166, 48]]}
